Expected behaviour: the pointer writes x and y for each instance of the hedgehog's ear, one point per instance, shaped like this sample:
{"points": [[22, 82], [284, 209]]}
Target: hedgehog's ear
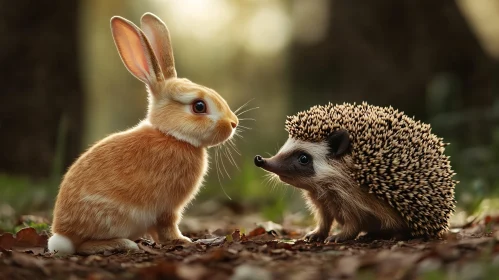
{"points": [[338, 142]]}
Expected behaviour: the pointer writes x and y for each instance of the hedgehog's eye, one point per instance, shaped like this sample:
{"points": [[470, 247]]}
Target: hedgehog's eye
{"points": [[304, 159]]}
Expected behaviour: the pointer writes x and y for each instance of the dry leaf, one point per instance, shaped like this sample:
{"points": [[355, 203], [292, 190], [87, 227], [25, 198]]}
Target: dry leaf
{"points": [[7, 241], [28, 237], [211, 241], [257, 231], [149, 249], [163, 270], [236, 236], [26, 260]]}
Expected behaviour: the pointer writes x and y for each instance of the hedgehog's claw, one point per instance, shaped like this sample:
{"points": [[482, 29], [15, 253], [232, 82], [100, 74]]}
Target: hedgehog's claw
{"points": [[334, 239], [314, 236], [338, 238]]}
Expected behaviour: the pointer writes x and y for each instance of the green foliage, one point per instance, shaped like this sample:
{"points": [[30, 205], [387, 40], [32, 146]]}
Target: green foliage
{"points": [[366, 274], [274, 211], [433, 275], [39, 227], [474, 140], [249, 187], [24, 194], [253, 188], [6, 225]]}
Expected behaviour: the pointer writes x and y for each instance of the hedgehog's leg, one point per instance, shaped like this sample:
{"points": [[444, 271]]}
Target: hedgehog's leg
{"points": [[348, 232], [324, 218]]}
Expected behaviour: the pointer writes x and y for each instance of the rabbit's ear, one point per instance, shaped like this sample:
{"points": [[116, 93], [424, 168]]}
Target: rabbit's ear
{"points": [[135, 51], [158, 35]]}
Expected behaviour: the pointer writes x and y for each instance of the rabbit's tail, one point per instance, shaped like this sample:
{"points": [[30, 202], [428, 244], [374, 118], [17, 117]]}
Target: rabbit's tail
{"points": [[61, 245]]}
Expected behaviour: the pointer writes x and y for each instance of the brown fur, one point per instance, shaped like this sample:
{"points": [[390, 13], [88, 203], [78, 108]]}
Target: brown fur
{"points": [[140, 180], [333, 195], [397, 159], [340, 199], [133, 169], [168, 116]]}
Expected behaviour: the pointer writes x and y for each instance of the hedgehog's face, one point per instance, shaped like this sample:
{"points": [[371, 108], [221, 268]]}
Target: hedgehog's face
{"points": [[301, 163]]}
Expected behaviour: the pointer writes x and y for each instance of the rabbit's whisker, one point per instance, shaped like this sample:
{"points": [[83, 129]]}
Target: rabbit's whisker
{"points": [[223, 165], [244, 105], [217, 165], [238, 132], [244, 127], [228, 153], [238, 135], [247, 110], [234, 147], [220, 172]]}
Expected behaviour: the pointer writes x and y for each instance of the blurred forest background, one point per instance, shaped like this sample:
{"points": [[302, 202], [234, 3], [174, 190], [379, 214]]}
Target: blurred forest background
{"points": [[64, 85]]}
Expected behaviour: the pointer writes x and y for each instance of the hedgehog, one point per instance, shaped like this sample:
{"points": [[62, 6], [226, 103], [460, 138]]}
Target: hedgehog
{"points": [[369, 169]]}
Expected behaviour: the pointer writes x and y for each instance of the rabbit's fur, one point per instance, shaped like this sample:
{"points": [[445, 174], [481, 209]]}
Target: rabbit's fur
{"points": [[138, 181]]}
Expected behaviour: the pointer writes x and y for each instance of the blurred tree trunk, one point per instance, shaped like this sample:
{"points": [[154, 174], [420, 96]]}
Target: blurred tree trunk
{"points": [[388, 52], [41, 97], [114, 99]]}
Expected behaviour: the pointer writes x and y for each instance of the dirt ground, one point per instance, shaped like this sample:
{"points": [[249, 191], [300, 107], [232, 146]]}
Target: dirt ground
{"points": [[265, 252]]}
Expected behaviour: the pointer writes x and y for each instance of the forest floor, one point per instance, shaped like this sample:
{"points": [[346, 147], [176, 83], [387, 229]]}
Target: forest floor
{"points": [[267, 251]]}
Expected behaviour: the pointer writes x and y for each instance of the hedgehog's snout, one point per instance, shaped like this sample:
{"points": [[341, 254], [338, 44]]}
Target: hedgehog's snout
{"points": [[270, 164], [259, 161]]}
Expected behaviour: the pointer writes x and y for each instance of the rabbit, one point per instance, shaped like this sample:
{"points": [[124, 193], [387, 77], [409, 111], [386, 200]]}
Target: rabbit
{"points": [[138, 181]]}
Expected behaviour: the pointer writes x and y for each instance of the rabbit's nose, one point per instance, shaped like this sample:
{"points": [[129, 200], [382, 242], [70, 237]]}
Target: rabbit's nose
{"points": [[233, 124]]}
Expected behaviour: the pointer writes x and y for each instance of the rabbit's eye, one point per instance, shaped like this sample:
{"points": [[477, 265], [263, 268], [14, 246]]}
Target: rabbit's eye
{"points": [[199, 107]]}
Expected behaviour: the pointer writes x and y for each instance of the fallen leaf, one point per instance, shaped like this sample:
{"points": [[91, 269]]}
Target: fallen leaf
{"points": [[251, 272], [284, 245], [244, 238], [257, 231], [37, 251], [237, 246], [212, 241], [7, 241], [269, 225], [347, 266], [25, 260], [28, 237], [236, 236], [221, 232], [216, 255], [275, 256], [193, 272], [473, 243], [447, 253], [149, 249], [396, 265], [263, 237], [163, 270]]}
